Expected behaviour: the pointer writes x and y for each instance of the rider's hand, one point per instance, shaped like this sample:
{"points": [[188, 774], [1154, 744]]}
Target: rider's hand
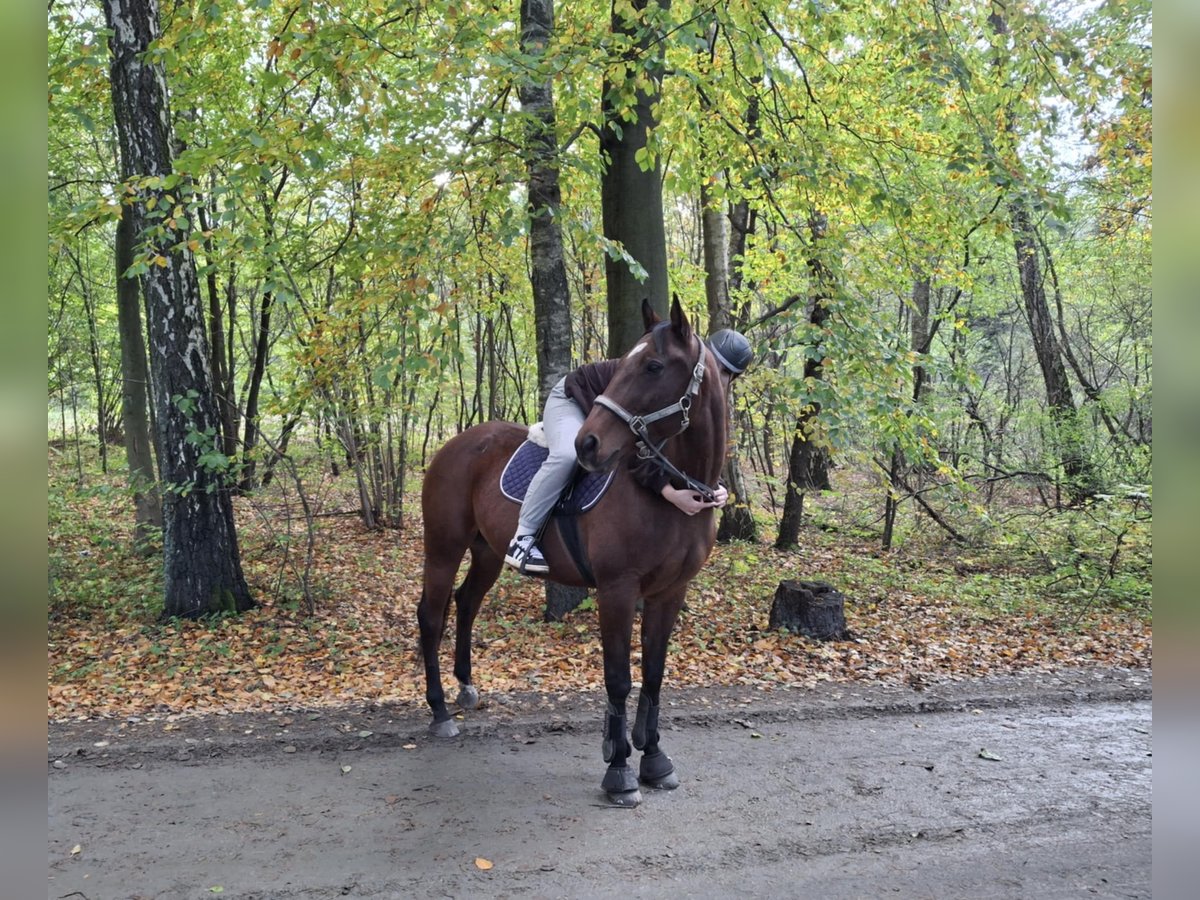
{"points": [[690, 502]]}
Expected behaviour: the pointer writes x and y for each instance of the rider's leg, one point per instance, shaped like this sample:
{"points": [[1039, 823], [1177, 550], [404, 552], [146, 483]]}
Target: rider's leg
{"points": [[562, 419]]}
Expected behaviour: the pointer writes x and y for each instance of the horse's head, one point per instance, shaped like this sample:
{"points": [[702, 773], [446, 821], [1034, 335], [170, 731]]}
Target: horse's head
{"points": [[654, 386]]}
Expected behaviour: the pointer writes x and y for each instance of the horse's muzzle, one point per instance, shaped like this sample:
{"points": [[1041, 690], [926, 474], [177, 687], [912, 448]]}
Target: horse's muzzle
{"points": [[587, 450]]}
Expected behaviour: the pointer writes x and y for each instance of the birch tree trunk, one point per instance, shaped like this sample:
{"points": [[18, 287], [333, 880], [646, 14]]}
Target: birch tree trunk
{"points": [[202, 567], [551, 296]]}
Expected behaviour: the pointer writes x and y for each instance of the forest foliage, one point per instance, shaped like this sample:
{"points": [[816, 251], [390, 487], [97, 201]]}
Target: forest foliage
{"points": [[350, 179]]}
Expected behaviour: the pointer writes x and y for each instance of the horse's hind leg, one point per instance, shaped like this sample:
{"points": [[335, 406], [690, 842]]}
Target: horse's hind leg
{"points": [[440, 569], [482, 574], [658, 621]]}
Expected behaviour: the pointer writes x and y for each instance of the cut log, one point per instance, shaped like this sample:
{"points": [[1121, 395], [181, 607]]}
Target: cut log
{"points": [[811, 608]]}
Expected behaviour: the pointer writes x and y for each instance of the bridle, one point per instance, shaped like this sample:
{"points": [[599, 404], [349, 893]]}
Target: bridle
{"points": [[638, 424]]}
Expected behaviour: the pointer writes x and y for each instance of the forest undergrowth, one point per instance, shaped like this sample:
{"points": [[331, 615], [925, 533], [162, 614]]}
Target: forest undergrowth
{"points": [[1041, 591]]}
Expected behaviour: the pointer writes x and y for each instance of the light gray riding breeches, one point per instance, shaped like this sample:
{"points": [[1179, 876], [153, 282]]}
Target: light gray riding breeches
{"points": [[562, 419]]}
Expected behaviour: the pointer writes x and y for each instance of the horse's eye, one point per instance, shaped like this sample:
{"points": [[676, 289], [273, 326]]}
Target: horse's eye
{"points": [[653, 367]]}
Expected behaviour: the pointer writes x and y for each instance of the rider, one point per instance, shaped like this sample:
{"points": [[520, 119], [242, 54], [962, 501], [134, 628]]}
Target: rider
{"points": [[567, 406]]}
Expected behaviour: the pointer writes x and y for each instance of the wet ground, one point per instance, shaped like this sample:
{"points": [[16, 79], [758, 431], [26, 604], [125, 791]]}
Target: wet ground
{"points": [[1032, 786]]}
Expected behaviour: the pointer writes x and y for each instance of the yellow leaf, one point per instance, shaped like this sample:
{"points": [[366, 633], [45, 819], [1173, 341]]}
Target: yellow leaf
{"points": [[160, 261], [481, 863], [78, 848]]}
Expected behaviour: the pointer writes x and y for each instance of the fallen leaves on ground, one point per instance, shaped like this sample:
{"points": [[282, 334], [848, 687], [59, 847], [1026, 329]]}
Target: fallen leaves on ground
{"points": [[361, 645]]}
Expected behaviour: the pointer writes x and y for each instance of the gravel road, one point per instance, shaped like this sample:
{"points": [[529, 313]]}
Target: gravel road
{"points": [[1031, 786]]}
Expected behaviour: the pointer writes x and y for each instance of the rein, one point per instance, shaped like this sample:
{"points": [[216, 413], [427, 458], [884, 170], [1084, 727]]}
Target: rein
{"points": [[647, 449]]}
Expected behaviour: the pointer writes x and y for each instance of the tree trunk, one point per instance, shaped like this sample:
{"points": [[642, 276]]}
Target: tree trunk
{"points": [[1077, 469], [920, 339], [921, 335], [722, 253], [808, 464], [1068, 427], [262, 341], [228, 390], [222, 378], [742, 219], [736, 522], [631, 196], [202, 567], [551, 297], [89, 308], [716, 261], [147, 503]]}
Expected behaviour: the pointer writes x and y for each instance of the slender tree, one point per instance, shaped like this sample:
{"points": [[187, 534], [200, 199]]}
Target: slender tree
{"points": [[1068, 427], [808, 461], [548, 270], [203, 572], [135, 380], [631, 187]]}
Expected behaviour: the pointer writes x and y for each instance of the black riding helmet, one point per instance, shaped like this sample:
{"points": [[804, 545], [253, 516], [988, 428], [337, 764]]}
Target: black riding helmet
{"points": [[731, 349]]}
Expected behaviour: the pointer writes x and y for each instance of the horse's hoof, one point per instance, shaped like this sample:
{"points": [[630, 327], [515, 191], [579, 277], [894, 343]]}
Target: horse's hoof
{"points": [[625, 799], [667, 782], [619, 780], [446, 729], [468, 697], [657, 771]]}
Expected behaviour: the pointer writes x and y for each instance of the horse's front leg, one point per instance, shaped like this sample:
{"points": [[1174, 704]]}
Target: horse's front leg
{"points": [[616, 631], [658, 621]]}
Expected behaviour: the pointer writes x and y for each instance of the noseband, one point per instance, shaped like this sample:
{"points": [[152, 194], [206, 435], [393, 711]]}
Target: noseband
{"points": [[647, 449]]}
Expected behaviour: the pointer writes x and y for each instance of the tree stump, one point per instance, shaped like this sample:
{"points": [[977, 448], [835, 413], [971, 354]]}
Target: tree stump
{"points": [[561, 600], [812, 608]]}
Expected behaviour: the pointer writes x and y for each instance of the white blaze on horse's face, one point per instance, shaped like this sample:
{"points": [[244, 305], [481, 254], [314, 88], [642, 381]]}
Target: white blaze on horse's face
{"points": [[637, 348]]}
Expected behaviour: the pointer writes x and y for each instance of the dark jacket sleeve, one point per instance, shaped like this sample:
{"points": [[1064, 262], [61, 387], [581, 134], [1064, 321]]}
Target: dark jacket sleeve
{"points": [[588, 382], [649, 474]]}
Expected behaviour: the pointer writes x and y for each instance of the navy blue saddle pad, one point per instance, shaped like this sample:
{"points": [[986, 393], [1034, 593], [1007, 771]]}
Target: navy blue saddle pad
{"points": [[582, 495]]}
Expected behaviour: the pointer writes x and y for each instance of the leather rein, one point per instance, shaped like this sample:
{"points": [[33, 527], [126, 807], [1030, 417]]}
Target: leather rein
{"points": [[638, 424]]}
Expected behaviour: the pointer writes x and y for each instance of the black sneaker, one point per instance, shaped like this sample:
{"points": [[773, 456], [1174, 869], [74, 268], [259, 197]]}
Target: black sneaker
{"points": [[525, 556]]}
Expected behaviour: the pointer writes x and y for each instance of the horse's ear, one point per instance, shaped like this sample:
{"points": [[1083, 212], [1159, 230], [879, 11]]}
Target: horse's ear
{"points": [[679, 321], [649, 317]]}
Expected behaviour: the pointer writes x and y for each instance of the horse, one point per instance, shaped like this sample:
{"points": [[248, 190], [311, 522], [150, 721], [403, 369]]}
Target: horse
{"points": [[638, 545]]}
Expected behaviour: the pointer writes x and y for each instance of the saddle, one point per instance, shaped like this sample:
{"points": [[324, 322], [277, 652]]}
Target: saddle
{"points": [[582, 493]]}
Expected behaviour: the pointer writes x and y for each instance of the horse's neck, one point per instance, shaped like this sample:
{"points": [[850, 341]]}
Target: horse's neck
{"points": [[702, 447]]}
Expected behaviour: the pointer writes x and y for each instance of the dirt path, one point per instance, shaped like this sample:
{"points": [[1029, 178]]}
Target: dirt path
{"points": [[839, 792]]}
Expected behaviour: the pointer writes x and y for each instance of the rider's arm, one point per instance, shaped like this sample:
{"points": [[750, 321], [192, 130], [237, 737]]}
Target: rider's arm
{"points": [[651, 476], [690, 501]]}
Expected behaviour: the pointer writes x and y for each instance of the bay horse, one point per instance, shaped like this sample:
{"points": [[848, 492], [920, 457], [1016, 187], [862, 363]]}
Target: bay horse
{"points": [[639, 545]]}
